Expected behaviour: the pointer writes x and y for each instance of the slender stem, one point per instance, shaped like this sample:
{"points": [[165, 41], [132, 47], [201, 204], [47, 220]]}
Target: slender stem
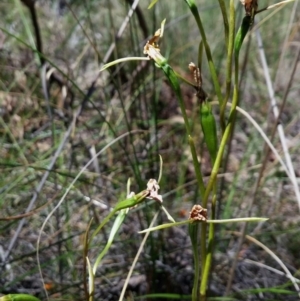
{"points": [[203, 247], [211, 64], [197, 167], [193, 232], [209, 256], [229, 62], [176, 87], [212, 181], [169, 72], [221, 148], [225, 20], [208, 124], [237, 46], [209, 129], [207, 259], [193, 229]]}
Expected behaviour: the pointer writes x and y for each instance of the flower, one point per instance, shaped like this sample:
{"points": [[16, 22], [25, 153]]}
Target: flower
{"points": [[152, 188]]}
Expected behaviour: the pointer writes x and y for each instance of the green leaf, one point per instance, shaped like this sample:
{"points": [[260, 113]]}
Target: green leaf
{"points": [[19, 297]]}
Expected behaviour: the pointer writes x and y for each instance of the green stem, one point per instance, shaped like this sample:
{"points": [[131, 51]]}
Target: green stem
{"points": [[203, 247], [221, 148], [229, 62], [237, 46], [193, 232], [197, 167], [210, 185], [195, 12], [161, 62], [193, 228], [209, 256], [225, 19], [212, 181], [209, 129]]}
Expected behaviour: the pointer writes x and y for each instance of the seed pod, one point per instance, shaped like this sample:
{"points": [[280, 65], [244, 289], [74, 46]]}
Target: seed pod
{"points": [[209, 129]]}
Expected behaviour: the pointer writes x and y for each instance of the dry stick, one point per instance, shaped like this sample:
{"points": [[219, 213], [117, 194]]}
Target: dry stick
{"points": [[276, 114]]}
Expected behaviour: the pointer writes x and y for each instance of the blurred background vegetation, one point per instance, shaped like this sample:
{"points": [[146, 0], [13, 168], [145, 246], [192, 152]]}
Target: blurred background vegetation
{"points": [[55, 118]]}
